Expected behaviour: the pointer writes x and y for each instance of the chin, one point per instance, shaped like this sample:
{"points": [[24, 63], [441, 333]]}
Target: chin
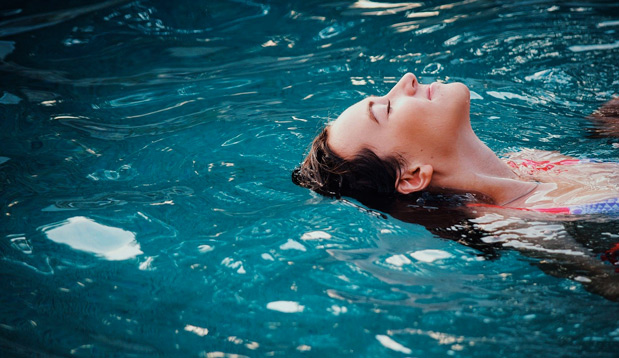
{"points": [[457, 93], [460, 90]]}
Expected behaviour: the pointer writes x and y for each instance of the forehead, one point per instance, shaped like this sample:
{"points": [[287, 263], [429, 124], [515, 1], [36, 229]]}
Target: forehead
{"points": [[347, 134]]}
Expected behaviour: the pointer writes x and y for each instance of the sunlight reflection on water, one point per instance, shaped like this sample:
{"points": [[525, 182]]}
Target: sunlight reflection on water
{"points": [[87, 235]]}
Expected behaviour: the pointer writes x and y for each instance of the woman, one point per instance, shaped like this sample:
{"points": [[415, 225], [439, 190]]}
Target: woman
{"points": [[414, 146], [418, 138]]}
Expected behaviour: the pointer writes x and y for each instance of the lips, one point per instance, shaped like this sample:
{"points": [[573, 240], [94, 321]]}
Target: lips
{"points": [[431, 89]]}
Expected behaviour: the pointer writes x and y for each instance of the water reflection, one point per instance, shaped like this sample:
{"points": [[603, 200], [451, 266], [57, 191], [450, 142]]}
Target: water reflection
{"points": [[84, 234], [194, 112], [566, 247]]}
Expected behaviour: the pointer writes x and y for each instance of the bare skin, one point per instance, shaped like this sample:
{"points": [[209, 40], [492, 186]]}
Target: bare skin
{"points": [[429, 127]]}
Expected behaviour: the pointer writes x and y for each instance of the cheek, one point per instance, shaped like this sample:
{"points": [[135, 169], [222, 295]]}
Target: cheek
{"points": [[386, 142], [402, 134], [426, 125]]}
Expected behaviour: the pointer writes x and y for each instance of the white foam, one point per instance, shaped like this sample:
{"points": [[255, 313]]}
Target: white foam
{"points": [[315, 235], [267, 257], [583, 48], [475, 95], [430, 255], [337, 310], [235, 265], [146, 265], [205, 248], [582, 279], [608, 23], [285, 306], [529, 246], [292, 245], [393, 345], [218, 354], [197, 330], [398, 260]]}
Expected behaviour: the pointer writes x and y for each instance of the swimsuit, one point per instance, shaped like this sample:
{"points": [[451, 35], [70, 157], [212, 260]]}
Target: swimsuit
{"points": [[608, 206], [545, 165]]}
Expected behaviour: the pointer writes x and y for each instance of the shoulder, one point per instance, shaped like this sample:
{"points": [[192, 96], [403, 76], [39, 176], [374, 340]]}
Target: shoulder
{"points": [[536, 155]]}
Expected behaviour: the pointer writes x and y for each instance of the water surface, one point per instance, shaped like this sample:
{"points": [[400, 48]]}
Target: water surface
{"points": [[146, 201]]}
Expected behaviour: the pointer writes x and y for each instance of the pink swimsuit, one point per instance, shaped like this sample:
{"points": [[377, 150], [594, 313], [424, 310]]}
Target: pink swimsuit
{"points": [[608, 206]]}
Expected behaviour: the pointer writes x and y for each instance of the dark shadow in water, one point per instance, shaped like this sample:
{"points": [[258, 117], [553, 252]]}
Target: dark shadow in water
{"points": [[573, 247], [584, 248], [605, 121]]}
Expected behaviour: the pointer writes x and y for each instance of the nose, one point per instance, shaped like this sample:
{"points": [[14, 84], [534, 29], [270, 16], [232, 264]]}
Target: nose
{"points": [[407, 85]]}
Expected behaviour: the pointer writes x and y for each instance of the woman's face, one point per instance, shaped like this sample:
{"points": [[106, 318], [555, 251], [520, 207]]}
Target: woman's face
{"points": [[413, 120]]}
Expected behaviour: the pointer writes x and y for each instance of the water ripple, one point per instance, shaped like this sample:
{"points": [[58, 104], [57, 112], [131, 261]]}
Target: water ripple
{"points": [[175, 125], [99, 129], [182, 20], [34, 22]]}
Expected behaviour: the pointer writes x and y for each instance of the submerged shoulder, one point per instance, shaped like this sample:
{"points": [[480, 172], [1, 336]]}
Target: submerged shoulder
{"points": [[536, 155]]}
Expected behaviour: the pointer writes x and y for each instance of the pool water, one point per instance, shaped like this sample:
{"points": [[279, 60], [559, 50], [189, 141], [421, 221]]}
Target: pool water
{"points": [[146, 201]]}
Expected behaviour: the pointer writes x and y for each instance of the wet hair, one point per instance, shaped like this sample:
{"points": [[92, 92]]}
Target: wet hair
{"points": [[365, 177], [372, 180]]}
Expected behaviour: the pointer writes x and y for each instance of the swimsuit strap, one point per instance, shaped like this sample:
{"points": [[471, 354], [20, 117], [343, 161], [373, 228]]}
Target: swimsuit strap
{"points": [[609, 206]]}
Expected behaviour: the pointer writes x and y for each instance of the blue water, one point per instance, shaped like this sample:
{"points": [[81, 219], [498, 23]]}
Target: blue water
{"points": [[146, 202]]}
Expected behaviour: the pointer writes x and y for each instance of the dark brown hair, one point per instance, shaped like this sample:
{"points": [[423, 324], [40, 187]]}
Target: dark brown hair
{"points": [[371, 180], [365, 176]]}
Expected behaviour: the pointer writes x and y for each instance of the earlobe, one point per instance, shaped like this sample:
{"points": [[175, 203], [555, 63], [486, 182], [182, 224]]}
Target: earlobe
{"points": [[415, 179]]}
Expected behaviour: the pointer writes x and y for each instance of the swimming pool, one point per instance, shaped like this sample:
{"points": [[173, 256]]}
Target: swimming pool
{"points": [[147, 207]]}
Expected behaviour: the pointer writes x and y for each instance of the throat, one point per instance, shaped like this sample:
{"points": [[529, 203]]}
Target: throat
{"points": [[486, 163], [474, 158], [475, 168]]}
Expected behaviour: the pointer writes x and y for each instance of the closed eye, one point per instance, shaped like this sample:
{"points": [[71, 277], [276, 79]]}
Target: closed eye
{"points": [[371, 112]]}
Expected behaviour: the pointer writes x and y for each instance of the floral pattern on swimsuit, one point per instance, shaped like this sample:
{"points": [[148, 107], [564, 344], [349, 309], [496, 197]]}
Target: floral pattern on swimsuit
{"points": [[608, 206], [535, 166]]}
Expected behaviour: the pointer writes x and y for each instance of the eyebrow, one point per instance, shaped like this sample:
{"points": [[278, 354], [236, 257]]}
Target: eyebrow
{"points": [[370, 113]]}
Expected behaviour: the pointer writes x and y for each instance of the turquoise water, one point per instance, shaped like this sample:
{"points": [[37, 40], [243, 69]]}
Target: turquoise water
{"points": [[146, 201]]}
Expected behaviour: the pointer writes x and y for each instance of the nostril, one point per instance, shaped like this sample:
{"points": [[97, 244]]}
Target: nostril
{"points": [[414, 84], [408, 84]]}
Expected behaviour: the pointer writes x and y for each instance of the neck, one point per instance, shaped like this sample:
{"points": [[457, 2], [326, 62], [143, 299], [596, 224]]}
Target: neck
{"points": [[473, 167]]}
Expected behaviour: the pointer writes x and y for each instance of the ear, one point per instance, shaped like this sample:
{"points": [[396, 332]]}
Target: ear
{"points": [[415, 179]]}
